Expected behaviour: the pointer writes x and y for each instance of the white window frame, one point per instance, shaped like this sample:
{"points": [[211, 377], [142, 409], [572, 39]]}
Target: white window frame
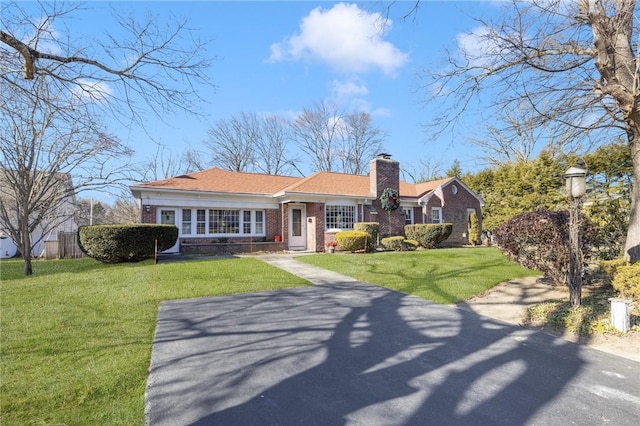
{"points": [[184, 222], [435, 209], [331, 206], [408, 215]]}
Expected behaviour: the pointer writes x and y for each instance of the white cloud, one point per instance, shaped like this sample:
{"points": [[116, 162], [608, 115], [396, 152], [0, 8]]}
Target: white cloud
{"points": [[346, 38], [478, 46], [343, 89]]}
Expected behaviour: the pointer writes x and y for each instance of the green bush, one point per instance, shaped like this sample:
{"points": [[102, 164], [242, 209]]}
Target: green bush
{"points": [[540, 240], [125, 243], [352, 240], [393, 243], [428, 235], [372, 229], [474, 229], [399, 243], [626, 281]]}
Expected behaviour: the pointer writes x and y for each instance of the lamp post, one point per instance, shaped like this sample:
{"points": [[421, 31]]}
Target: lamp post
{"points": [[575, 179]]}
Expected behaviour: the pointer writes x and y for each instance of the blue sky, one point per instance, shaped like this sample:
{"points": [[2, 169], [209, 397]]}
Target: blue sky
{"points": [[280, 57]]}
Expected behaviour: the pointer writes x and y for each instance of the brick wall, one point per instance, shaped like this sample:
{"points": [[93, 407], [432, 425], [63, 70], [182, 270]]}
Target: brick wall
{"points": [[385, 173], [149, 216]]}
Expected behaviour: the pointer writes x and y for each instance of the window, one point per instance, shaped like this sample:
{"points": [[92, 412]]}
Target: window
{"points": [[246, 221], [340, 217], [259, 222], [408, 215], [436, 214], [201, 224], [186, 221], [224, 221]]}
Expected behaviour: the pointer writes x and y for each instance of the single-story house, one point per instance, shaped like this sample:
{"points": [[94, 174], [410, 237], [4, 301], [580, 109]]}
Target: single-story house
{"points": [[220, 211]]}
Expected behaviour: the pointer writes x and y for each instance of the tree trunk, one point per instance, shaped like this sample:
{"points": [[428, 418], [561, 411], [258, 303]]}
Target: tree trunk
{"points": [[25, 248], [632, 245]]}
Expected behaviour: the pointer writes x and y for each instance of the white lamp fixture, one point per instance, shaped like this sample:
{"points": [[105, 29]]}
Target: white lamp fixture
{"points": [[576, 178]]}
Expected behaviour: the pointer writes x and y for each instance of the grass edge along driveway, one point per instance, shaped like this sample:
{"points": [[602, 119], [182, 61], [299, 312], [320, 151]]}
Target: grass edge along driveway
{"points": [[444, 276], [76, 336]]}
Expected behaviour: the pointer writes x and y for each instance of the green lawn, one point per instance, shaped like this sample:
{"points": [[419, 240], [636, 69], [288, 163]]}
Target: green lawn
{"points": [[442, 275], [76, 336]]}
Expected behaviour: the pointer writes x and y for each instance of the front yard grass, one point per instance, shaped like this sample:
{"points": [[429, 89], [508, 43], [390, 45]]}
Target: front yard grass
{"points": [[75, 338], [441, 275]]}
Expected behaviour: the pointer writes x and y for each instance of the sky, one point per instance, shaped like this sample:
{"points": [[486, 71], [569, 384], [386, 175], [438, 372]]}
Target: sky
{"points": [[283, 56]]}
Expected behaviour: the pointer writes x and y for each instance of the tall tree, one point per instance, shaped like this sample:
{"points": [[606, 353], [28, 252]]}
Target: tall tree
{"points": [[230, 143], [574, 63], [335, 140], [57, 85], [46, 160], [363, 142], [249, 142], [318, 131]]}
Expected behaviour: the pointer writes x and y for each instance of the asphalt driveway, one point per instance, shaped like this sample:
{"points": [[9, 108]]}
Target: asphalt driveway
{"points": [[356, 354]]}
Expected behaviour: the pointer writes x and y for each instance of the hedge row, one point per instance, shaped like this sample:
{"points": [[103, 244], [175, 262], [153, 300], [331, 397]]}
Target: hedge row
{"points": [[125, 243], [428, 235]]}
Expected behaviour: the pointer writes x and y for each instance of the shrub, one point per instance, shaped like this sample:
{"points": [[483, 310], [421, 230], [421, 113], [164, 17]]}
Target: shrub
{"points": [[372, 229], [352, 240], [399, 243], [428, 235], [540, 240], [125, 243], [474, 229], [626, 281], [393, 243]]}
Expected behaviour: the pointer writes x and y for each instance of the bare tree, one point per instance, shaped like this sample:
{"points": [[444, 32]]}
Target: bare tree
{"points": [[318, 132], [41, 152], [163, 165], [272, 146], [57, 85], [517, 136], [148, 68], [363, 142], [426, 170], [124, 210], [335, 140], [574, 63], [231, 143]]}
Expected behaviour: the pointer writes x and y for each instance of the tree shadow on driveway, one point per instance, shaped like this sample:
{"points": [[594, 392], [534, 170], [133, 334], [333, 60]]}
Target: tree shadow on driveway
{"points": [[364, 355]]}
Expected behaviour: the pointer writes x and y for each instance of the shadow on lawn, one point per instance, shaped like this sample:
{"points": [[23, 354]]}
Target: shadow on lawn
{"points": [[348, 354]]}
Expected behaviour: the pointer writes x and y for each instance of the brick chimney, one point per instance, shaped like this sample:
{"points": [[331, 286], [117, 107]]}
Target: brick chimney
{"points": [[385, 173]]}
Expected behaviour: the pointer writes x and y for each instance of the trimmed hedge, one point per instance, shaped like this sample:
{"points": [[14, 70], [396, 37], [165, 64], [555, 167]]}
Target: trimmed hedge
{"points": [[399, 243], [371, 228], [428, 235], [352, 240], [125, 243]]}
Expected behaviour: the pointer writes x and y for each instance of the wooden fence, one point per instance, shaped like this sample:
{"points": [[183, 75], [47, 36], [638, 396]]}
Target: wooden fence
{"points": [[68, 247]]}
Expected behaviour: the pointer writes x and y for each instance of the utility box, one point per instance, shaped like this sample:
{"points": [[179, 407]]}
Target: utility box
{"points": [[621, 314]]}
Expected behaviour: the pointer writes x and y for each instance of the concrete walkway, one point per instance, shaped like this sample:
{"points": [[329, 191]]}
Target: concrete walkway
{"points": [[348, 353]]}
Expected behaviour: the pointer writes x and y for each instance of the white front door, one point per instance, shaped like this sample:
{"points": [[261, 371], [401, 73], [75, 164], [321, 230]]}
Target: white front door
{"points": [[297, 227], [168, 217]]}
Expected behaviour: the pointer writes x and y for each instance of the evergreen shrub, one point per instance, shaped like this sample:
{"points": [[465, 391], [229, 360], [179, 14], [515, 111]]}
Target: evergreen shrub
{"points": [[626, 281], [352, 240], [428, 235], [125, 243], [372, 229]]}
